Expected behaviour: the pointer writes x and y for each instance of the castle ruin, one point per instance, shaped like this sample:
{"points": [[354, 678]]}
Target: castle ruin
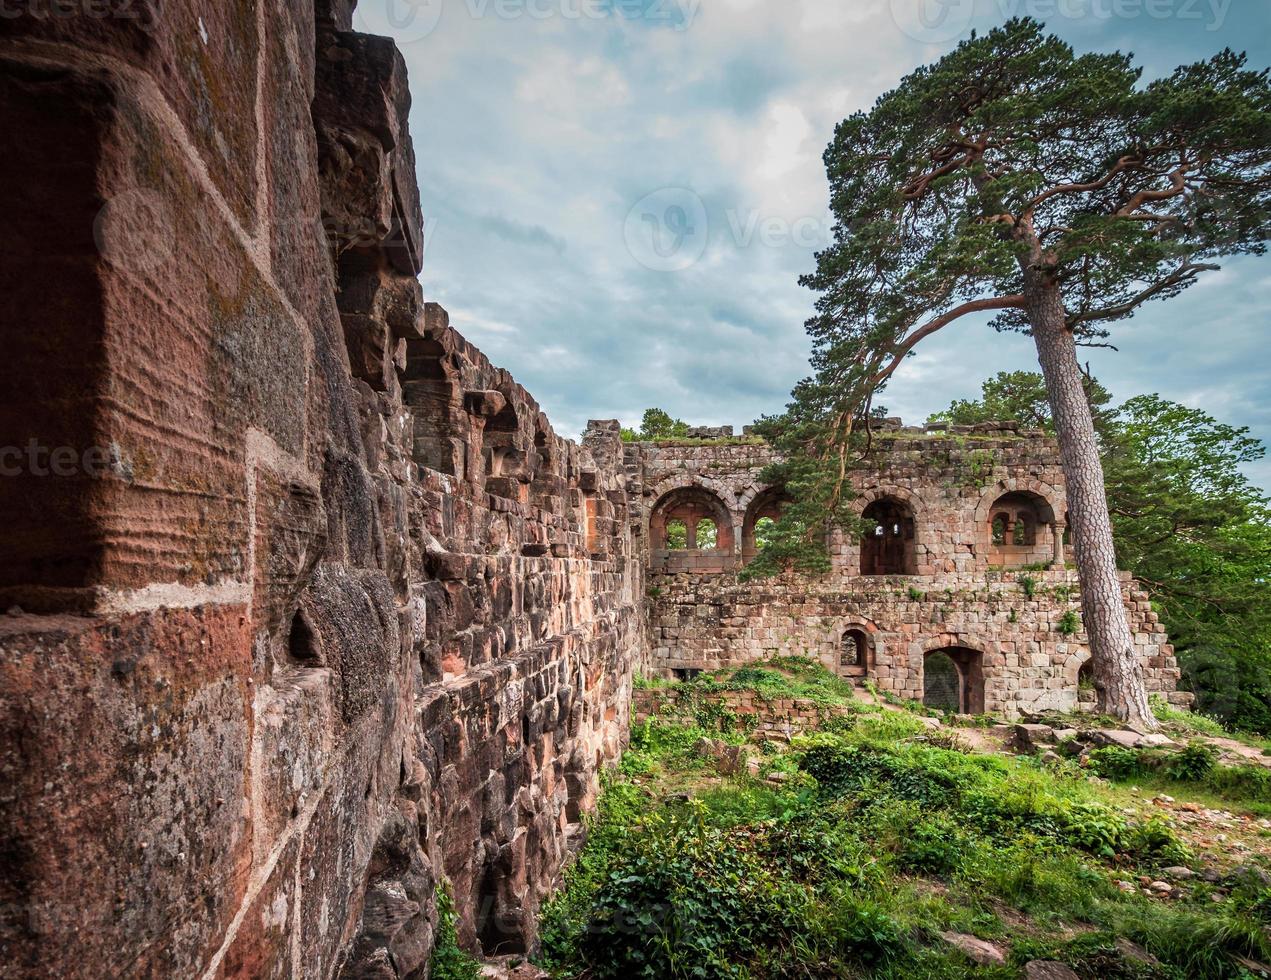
{"points": [[959, 595], [308, 608]]}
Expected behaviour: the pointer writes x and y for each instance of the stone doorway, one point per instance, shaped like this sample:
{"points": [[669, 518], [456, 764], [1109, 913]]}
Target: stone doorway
{"points": [[953, 680]]}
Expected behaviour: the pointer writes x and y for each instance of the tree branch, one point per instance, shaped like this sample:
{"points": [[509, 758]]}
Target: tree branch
{"points": [[1123, 164], [1184, 272], [1015, 301], [1178, 184]]}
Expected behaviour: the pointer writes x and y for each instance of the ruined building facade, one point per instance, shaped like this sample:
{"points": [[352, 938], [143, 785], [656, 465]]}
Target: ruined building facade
{"points": [[307, 608], [958, 595]]}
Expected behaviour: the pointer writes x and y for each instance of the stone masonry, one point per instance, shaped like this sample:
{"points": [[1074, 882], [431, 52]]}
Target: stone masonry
{"points": [[308, 607], [961, 597], [308, 611]]}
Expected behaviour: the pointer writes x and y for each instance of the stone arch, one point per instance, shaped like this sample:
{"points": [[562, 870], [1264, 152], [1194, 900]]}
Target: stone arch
{"points": [[1020, 522], [890, 545], [765, 504], [685, 481], [1017, 524], [857, 662], [696, 507], [970, 659]]}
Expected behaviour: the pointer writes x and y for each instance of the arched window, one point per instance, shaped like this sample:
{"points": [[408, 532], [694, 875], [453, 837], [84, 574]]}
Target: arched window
{"points": [[1014, 538], [888, 545], [761, 517], [690, 529]]}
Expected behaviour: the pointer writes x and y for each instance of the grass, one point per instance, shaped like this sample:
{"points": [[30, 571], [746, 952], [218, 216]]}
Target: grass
{"points": [[875, 842], [772, 680]]}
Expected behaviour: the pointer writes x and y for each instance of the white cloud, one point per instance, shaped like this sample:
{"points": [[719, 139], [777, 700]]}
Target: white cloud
{"points": [[534, 138]]}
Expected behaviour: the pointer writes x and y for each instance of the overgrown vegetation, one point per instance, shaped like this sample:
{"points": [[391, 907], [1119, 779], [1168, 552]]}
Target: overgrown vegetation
{"points": [[779, 677], [657, 425], [449, 962], [1191, 768], [870, 841]]}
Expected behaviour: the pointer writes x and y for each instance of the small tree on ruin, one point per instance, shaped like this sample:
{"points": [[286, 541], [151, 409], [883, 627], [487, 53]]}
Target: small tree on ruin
{"points": [[1014, 176]]}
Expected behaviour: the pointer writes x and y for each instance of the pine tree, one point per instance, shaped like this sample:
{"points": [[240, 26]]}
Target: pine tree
{"points": [[1017, 177]]}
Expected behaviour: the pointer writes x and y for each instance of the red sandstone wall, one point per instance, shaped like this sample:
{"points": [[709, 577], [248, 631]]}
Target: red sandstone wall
{"points": [[321, 611]]}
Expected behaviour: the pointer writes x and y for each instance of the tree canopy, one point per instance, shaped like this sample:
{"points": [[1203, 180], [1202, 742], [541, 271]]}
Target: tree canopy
{"points": [[1018, 396], [1123, 192], [656, 424]]}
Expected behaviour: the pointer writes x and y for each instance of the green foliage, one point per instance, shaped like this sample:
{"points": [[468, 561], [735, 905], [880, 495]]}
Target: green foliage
{"points": [[1018, 396], [686, 901], [1028, 584], [656, 424], [1069, 623], [748, 879], [1190, 721], [1194, 766], [779, 677], [448, 961], [935, 846], [1246, 783], [1189, 525], [1193, 763], [810, 472], [1114, 762], [977, 468]]}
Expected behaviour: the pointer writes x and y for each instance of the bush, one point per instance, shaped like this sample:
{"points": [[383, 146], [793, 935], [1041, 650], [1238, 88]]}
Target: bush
{"points": [[1248, 782], [1114, 762], [866, 933], [1191, 764], [933, 846], [840, 770], [687, 901]]}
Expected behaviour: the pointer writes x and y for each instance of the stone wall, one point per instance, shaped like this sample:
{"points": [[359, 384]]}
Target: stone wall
{"points": [[307, 605], [1005, 608]]}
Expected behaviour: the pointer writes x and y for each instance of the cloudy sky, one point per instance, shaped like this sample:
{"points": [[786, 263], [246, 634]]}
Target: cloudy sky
{"points": [[621, 195]]}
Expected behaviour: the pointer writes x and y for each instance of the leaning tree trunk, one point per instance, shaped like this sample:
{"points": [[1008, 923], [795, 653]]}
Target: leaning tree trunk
{"points": [[1118, 674]]}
